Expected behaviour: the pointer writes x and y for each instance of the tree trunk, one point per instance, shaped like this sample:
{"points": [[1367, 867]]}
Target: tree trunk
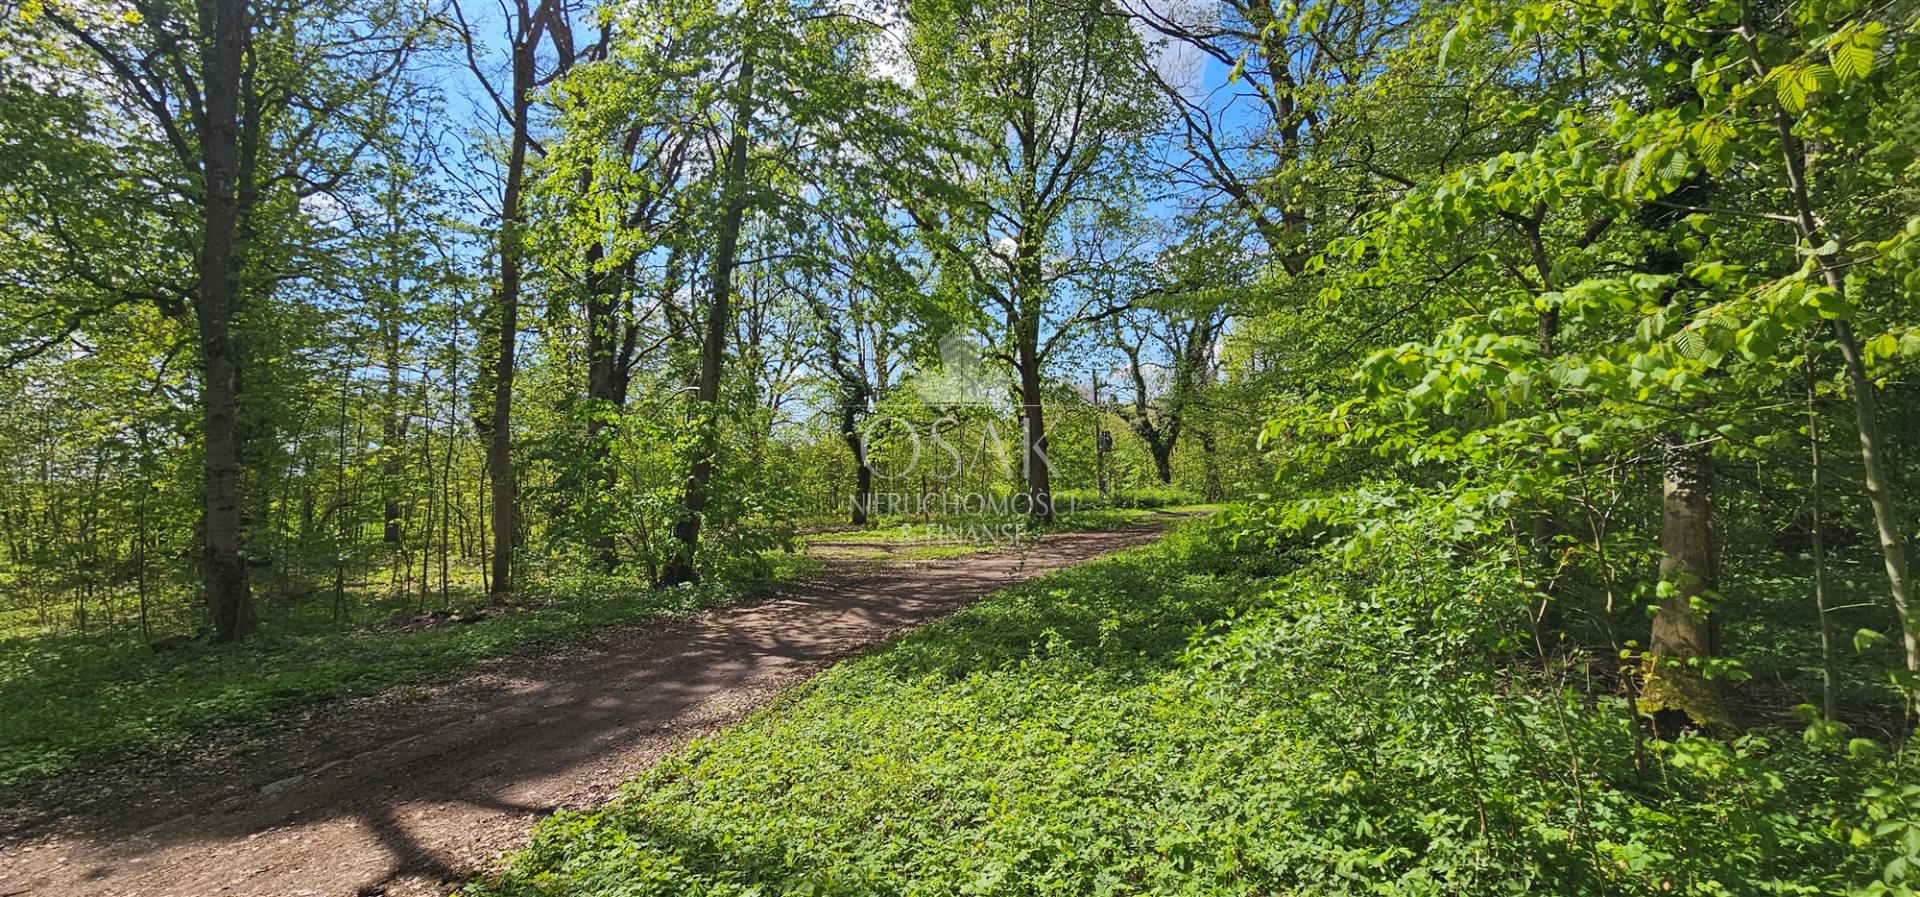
{"points": [[140, 555], [1816, 496], [394, 429], [862, 473], [1211, 464], [225, 566], [1546, 616], [1160, 435], [1886, 515], [1035, 467], [681, 567], [446, 469], [1675, 692], [1028, 305], [1162, 451], [500, 471], [603, 396]]}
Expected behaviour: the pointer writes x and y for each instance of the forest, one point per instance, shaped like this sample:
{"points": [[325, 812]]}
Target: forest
{"points": [[1524, 389]]}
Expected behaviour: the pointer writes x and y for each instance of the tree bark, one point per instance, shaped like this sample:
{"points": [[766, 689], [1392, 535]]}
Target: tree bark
{"points": [[1161, 422], [1829, 672], [1159, 435], [225, 567], [1162, 461], [1036, 468], [681, 567], [1675, 693], [1028, 305], [500, 472], [862, 473], [1866, 418], [1214, 489], [1886, 514], [394, 427]]}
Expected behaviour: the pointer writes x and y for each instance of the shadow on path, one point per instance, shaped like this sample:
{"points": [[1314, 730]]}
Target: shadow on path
{"points": [[407, 796]]}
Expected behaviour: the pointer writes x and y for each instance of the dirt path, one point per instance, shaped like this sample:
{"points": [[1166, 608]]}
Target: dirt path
{"points": [[413, 791]]}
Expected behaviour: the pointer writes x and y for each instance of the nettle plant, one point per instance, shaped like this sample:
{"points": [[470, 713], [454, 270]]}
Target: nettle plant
{"points": [[1724, 218]]}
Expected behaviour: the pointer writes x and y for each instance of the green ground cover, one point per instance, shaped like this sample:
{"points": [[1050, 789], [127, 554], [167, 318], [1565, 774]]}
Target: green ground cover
{"points": [[1191, 718]]}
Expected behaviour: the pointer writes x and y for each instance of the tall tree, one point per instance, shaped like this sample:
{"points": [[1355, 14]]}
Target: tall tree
{"points": [[1053, 113], [857, 313], [1170, 341], [237, 114], [680, 566], [1684, 351], [529, 26], [611, 204], [225, 22], [718, 139], [1255, 142]]}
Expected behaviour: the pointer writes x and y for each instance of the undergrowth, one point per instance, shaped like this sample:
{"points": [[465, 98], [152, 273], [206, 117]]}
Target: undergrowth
{"points": [[1195, 719]]}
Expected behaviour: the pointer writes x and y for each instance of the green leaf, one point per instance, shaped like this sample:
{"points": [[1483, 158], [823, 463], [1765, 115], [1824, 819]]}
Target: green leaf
{"points": [[1689, 343], [1852, 61], [1673, 168], [1714, 140], [1451, 42], [1789, 89], [1863, 748], [1817, 78]]}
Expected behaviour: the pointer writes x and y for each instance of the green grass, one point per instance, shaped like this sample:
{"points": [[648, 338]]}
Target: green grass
{"points": [[69, 697], [1091, 519], [901, 531], [1187, 719], [912, 539], [881, 552], [1158, 497]]}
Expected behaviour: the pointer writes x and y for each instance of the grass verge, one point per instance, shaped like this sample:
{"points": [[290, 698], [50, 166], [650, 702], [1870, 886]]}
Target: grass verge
{"points": [[982, 533]]}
